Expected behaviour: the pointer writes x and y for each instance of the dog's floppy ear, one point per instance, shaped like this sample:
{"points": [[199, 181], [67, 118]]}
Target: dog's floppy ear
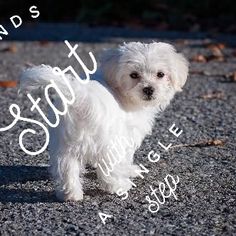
{"points": [[179, 65], [109, 63], [179, 71]]}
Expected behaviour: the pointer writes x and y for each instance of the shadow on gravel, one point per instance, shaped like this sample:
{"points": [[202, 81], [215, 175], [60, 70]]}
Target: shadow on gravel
{"points": [[26, 196], [22, 174]]}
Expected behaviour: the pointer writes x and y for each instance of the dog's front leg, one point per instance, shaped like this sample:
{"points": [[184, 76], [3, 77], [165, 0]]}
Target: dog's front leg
{"points": [[114, 172]]}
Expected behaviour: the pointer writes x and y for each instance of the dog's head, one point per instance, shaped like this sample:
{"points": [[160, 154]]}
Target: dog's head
{"points": [[144, 74]]}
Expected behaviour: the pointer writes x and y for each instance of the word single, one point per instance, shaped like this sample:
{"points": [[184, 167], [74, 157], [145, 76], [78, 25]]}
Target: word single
{"points": [[16, 112], [17, 21], [153, 157]]}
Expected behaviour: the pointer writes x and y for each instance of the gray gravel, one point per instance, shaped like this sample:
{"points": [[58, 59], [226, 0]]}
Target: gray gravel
{"points": [[206, 193]]}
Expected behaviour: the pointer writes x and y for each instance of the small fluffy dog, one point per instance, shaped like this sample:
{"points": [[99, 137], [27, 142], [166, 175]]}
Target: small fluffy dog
{"points": [[136, 81]]}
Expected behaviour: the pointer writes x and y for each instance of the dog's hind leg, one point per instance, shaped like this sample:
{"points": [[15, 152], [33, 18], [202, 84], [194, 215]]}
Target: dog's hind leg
{"points": [[66, 170]]}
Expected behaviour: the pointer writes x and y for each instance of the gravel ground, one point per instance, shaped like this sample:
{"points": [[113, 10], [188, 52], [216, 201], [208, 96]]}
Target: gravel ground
{"points": [[206, 191]]}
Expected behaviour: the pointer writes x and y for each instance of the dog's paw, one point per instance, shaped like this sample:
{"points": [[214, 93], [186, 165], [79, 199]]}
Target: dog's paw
{"points": [[134, 171], [123, 184], [70, 195]]}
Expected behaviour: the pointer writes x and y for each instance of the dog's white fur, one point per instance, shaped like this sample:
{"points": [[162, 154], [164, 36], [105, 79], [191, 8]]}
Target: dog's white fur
{"points": [[111, 105]]}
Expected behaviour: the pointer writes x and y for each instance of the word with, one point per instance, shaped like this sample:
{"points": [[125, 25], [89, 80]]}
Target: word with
{"points": [[16, 112], [116, 151], [155, 205], [17, 21], [115, 154]]}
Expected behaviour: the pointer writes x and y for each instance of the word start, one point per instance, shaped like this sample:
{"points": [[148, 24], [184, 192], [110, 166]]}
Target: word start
{"points": [[16, 112]]}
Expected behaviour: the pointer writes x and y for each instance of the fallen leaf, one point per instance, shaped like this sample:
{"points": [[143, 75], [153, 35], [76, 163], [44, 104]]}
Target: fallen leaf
{"points": [[216, 58], [213, 95], [220, 46], [231, 77], [216, 52], [8, 84], [43, 43], [206, 143], [234, 53], [12, 48], [216, 142], [199, 58], [234, 76]]}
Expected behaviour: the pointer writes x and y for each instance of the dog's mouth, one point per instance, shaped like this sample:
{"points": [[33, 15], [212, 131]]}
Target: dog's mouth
{"points": [[149, 98]]}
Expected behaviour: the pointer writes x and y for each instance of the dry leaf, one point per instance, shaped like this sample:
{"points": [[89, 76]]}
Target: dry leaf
{"points": [[213, 95], [220, 46], [216, 58], [234, 53], [12, 48], [44, 43], [216, 50], [8, 84], [206, 143], [216, 142], [231, 77], [199, 58]]}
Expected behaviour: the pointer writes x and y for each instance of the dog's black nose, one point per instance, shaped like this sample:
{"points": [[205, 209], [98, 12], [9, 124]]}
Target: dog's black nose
{"points": [[148, 91]]}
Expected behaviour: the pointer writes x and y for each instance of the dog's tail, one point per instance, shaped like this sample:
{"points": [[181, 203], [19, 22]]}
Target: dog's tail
{"points": [[38, 77]]}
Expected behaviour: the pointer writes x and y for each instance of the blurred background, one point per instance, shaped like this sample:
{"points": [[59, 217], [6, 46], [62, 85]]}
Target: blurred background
{"points": [[159, 15]]}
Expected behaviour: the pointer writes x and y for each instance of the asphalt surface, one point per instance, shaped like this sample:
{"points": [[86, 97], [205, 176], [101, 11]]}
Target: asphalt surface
{"points": [[206, 191]]}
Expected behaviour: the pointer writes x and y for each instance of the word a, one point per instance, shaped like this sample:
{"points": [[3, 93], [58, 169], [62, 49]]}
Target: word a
{"points": [[164, 192], [16, 112], [104, 217], [17, 21]]}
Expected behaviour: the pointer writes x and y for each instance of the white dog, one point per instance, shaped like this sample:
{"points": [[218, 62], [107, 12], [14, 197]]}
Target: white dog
{"points": [[136, 81]]}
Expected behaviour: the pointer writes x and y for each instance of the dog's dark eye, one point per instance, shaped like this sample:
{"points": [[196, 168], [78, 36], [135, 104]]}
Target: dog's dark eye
{"points": [[134, 75], [160, 74]]}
